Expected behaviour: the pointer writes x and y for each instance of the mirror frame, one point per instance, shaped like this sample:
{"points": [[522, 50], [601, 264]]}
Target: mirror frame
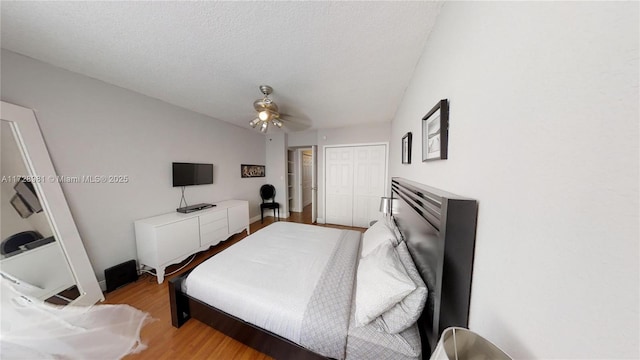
{"points": [[38, 162]]}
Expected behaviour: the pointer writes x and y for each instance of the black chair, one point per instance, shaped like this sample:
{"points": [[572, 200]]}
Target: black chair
{"points": [[267, 192], [14, 242]]}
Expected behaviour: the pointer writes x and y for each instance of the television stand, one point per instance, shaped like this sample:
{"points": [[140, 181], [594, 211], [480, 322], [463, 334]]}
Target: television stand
{"points": [[192, 208], [171, 238]]}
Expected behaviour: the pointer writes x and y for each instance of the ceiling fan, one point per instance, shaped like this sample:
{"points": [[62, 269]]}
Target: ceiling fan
{"points": [[267, 111]]}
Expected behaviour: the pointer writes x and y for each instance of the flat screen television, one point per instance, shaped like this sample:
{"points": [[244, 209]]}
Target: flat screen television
{"points": [[186, 174]]}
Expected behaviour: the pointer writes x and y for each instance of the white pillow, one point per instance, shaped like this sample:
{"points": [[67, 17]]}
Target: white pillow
{"points": [[405, 313], [375, 235], [381, 282], [391, 223]]}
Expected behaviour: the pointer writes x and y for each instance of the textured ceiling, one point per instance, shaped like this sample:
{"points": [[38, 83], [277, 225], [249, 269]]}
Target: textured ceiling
{"points": [[331, 64]]}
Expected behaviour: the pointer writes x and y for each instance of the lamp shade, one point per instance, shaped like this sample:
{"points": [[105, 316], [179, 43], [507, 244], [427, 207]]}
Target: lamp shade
{"points": [[385, 205], [459, 343]]}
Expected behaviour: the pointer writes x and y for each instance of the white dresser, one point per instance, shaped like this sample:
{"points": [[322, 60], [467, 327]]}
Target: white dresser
{"points": [[170, 238]]}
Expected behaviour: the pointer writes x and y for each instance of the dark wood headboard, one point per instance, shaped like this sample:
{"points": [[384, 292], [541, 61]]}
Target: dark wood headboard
{"points": [[440, 231]]}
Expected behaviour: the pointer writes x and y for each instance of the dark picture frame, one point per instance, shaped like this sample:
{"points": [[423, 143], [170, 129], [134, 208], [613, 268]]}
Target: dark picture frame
{"points": [[251, 171], [406, 148], [435, 132]]}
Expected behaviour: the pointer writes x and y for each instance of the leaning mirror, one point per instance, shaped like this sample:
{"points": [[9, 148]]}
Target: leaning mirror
{"points": [[40, 247]]}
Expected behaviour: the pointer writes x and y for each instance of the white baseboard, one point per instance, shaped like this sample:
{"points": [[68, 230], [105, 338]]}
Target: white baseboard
{"points": [[320, 220], [254, 219], [282, 216]]}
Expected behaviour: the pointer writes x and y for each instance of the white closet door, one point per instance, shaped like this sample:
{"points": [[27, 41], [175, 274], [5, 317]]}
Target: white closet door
{"points": [[307, 163], [314, 184], [339, 185], [369, 183]]}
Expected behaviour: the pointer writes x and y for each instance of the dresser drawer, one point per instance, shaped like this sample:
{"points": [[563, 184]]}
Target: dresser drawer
{"points": [[214, 232], [213, 216], [213, 226], [176, 239]]}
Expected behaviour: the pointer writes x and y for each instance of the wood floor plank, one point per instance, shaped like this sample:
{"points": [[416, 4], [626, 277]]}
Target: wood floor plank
{"points": [[194, 340]]}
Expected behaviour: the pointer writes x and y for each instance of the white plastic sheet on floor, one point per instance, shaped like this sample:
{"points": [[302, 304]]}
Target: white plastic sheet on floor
{"points": [[33, 329]]}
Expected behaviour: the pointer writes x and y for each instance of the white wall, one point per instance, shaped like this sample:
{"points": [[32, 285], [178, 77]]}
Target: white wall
{"points": [[276, 169], [360, 134], [544, 134], [302, 138], [93, 128]]}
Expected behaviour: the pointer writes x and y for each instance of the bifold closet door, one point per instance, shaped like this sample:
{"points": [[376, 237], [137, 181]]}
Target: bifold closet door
{"points": [[355, 181], [369, 179], [339, 186]]}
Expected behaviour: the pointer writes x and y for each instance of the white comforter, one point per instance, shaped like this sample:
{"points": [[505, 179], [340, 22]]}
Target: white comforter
{"points": [[262, 288]]}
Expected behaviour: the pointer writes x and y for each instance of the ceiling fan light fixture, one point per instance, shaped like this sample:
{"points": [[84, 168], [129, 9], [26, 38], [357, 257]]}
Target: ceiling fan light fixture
{"points": [[264, 115], [267, 111]]}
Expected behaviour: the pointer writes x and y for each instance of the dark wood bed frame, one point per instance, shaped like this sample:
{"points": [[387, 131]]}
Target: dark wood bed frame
{"points": [[439, 229]]}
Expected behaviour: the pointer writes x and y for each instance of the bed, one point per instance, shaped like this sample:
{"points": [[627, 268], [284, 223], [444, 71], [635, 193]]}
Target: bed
{"points": [[288, 290]]}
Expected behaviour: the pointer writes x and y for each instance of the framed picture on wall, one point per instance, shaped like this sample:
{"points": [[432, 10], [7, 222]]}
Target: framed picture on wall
{"points": [[435, 132], [406, 148], [249, 171]]}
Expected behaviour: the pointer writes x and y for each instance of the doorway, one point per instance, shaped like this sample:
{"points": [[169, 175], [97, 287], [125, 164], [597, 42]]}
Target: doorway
{"points": [[303, 183]]}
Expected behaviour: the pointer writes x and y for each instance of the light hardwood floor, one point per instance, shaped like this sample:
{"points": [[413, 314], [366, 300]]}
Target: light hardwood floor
{"points": [[193, 340]]}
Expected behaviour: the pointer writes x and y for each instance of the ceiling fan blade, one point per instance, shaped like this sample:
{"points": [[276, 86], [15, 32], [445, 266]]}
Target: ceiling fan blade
{"points": [[295, 123]]}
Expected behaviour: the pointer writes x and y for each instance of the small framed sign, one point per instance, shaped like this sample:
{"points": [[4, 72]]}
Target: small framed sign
{"points": [[249, 171]]}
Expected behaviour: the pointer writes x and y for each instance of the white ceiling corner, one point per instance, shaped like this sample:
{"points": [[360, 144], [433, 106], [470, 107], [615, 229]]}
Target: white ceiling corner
{"points": [[331, 64]]}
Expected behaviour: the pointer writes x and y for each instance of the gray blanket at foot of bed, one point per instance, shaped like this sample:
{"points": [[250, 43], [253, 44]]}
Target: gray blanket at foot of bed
{"points": [[326, 318]]}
